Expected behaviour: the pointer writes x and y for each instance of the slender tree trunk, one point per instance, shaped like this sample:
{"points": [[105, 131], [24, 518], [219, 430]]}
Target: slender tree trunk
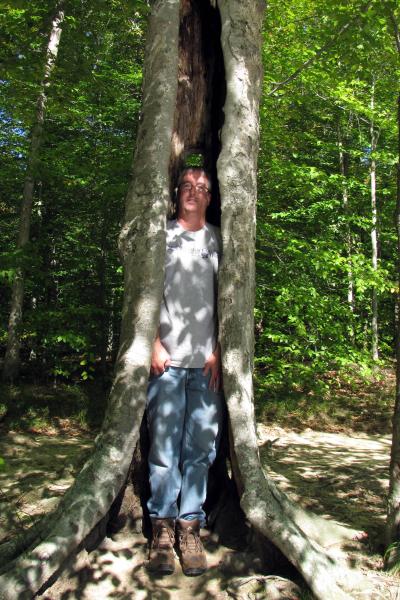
{"points": [[12, 357], [344, 171], [374, 231], [102, 299], [393, 515]]}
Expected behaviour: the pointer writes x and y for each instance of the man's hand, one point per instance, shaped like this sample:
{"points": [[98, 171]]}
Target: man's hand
{"points": [[160, 359], [213, 365]]}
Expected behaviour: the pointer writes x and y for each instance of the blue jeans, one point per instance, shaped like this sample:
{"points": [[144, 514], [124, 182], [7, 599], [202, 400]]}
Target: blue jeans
{"points": [[185, 421]]}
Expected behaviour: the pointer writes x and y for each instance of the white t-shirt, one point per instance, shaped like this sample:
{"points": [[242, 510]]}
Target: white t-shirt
{"points": [[188, 315]]}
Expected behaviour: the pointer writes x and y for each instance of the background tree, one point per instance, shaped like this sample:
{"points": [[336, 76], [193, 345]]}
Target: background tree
{"points": [[12, 358], [73, 297], [393, 517], [306, 326]]}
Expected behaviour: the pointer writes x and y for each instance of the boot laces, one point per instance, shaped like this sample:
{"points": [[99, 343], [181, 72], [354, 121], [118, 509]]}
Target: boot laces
{"points": [[189, 540], [163, 537]]}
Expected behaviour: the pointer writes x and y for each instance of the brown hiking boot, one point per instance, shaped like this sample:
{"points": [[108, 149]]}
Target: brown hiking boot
{"points": [[193, 557], [162, 558]]}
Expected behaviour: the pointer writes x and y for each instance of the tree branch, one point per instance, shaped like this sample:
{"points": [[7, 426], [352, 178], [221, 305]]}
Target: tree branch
{"points": [[323, 49], [396, 29]]}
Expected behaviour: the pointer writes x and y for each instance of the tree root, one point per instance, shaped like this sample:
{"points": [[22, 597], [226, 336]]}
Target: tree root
{"points": [[10, 549], [103, 475], [82, 507]]}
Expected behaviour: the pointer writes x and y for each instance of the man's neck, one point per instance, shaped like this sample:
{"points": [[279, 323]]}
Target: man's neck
{"points": [[191, 222]]}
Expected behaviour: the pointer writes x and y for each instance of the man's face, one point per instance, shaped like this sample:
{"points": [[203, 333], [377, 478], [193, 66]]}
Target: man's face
{"points": [[194, 196]]}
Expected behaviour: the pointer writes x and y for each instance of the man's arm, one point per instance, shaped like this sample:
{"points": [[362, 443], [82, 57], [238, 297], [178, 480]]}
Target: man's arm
{"points": [[213, 365], [160, 359]]}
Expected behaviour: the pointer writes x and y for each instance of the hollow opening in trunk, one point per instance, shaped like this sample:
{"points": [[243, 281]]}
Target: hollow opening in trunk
{"points": [[201, 95]]}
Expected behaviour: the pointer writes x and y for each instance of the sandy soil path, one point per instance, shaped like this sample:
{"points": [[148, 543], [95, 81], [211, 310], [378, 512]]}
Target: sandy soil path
{"points": [[344, 477]]}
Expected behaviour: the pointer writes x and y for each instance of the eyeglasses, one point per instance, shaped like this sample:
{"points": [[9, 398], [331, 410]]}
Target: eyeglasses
{"points": [[199, 187]]}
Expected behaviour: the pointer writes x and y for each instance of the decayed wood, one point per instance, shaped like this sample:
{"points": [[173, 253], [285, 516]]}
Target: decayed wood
{"points": [[198, 112]]}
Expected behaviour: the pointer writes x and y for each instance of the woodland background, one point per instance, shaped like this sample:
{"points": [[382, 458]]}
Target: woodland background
{"points": [[326, 235]]}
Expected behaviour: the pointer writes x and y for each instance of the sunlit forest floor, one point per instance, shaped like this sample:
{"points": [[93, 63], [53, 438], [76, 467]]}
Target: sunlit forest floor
{"points": [[330, 453]]}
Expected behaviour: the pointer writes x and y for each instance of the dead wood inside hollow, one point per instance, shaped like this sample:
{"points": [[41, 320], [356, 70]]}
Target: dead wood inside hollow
{"points": [[201, 95]]}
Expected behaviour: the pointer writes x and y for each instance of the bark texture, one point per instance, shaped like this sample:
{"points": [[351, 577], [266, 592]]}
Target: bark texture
{"points": [[393, 517], [12, 358], [142, 244], [269, 511], [201, 90], [374, 230]]}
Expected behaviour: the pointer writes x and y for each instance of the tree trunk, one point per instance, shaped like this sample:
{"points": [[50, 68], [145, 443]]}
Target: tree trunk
{"points": [[12, 358], [344, 171], [374, 231], [102, 341], [393, 515], [268, 509], [143, 248], [142, 244]]}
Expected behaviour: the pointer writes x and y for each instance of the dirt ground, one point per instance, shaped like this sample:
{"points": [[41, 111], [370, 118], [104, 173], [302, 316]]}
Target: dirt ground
{"points": [[341, 476]]}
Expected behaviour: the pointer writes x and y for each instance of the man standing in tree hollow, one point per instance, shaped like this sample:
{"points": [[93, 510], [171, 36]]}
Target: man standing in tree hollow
{"points": [[184, 406]]}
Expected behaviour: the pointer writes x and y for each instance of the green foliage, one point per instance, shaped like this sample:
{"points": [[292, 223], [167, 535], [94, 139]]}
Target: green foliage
{"points": [[73, 286], [392, 558], [194, 160], [41, 407], [314, 220]]}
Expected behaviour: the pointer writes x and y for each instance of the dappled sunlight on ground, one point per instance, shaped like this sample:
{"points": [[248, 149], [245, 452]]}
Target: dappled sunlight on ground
{"points": [[339, 475], [117, 568], [38, 469], [344, 477]]}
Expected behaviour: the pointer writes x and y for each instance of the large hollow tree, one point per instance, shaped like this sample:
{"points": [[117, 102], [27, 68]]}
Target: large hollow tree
{"points": [[209, 105]]}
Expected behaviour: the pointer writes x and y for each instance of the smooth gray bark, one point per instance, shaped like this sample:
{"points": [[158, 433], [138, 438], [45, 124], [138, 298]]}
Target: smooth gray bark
{"points": [[12, 358], [374, 230], [142, 244], [269, 510]]}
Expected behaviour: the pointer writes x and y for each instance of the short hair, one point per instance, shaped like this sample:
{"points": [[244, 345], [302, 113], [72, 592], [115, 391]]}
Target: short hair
{"points": [[196, 170]]}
